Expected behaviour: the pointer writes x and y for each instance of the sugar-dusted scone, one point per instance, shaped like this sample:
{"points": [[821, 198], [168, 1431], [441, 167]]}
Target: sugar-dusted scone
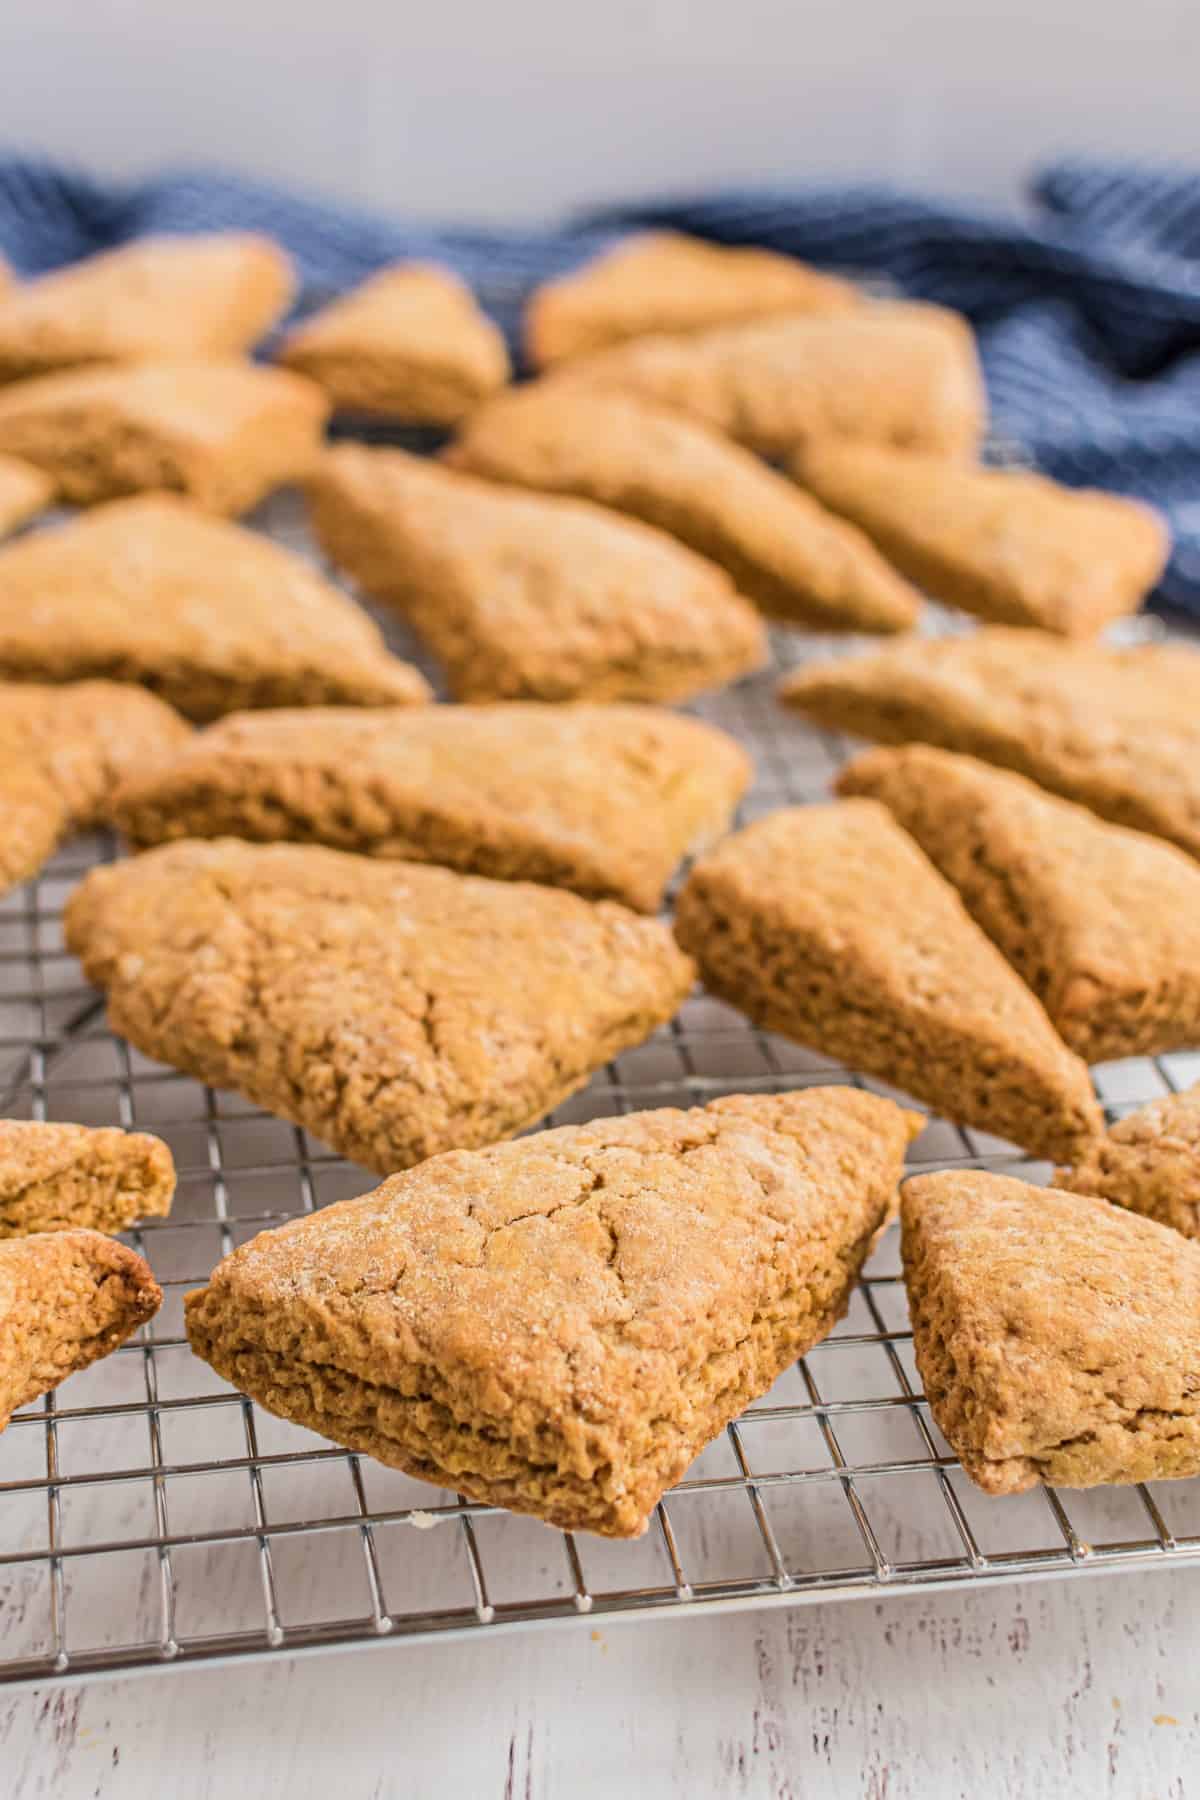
{"points": [[664, 281], [1102, 922], [410, 344], [897, 373], [529, 596], [1117, 730], [828, 924], [156, 298], [601, 799], [1004, 544], [223, 432], [211, 616], [1148, 1162], [394, 1009], [1057, 1337], [24, 491], [559, 1326], [55, 1177], [797, 561], [63, 750], [67, 1298]]}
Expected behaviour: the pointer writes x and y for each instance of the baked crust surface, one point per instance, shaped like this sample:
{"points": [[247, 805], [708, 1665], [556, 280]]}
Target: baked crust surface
{"points": [[1057, 1337], [828, 924], [54, 1177], [559, 1325], [24, 491], [1149, 1162], [393, 1009]]}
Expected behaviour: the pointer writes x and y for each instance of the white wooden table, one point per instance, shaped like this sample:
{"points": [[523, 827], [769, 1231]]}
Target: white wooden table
{"points": [[1085, 1687]]}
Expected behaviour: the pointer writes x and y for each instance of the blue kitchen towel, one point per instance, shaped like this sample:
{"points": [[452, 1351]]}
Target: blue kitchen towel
{"points": [[1087, 307]]}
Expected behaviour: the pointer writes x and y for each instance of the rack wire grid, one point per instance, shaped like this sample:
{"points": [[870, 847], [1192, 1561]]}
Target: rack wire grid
{"points": [[151, 1516]]}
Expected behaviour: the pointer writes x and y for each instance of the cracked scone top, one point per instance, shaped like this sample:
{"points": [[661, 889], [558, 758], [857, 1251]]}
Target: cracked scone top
{"points": [[54, 1176], [394, 1009], [211, 616], [601, 799], [559, 1325], [1057, 1337], [1148, 1161]]}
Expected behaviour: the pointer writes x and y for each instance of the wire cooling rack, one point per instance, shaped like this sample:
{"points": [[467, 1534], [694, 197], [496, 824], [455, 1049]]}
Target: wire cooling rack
{"points": [[151, 1516]]}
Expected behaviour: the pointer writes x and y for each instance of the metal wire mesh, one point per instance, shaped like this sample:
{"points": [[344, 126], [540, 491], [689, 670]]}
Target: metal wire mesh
{"points": [[150, 1515]]}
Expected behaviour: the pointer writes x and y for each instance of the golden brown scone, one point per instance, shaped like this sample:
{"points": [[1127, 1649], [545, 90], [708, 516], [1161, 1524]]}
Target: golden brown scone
{"points": [[1117, 730], [410, 343], [393, 1009], [665, 282], [797, 562], [828, 924], [601, 799], [67, 1298], [24, 491], [531, 597], [223, 432], [894, 373], [63, 751], [211, 616], [56, 1177], [1149, 1162], [1057, 1337], [1003, 544], [157, 298], [1103, 923], [559, 1326]]}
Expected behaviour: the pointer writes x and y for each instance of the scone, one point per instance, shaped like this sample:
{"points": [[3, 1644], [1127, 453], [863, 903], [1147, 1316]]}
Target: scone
{"points": [[1057, 1337], [67, 1298], [794, 559], [1117, 730], [601, 799], [409, 344], [560, 1325], [224, 433], [24, 491], [1006, 545], [156, 298], [211, 616], [664, 281], [63, 750], [1149, 1162], [827, 923], [57, 1177], [531, 597], [393, 1009], [1102, 922], [898, 373]]}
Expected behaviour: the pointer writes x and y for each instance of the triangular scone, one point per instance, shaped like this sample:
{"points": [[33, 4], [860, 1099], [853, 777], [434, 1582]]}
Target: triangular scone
{"points": [[529, 596], [900, 373], [223, 432], [664, 281], [1102, 922], [67, 1298], [1148, 1162], [55, 1177], [1003, 544], [211, 616], [157, 297], [828, 924], [24, 491], [393, 1009], [601, 799], [1118, 730], [410, 344], [796, 561], [1057, 1337], [560, 1325], [63, 750]]}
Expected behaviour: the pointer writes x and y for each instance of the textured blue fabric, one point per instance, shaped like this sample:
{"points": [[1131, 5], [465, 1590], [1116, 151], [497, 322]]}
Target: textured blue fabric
{"points": [[1087, 308]]}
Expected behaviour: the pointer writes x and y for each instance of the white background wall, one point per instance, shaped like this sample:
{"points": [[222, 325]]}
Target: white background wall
{"points": [[520, 107]]}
